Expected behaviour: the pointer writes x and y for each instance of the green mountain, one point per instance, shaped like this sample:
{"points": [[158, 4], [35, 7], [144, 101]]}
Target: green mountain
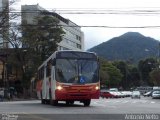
{"points": [[129, 46]]}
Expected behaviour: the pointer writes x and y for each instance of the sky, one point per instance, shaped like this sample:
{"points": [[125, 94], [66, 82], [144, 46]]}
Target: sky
{"points": [[125, 16]]}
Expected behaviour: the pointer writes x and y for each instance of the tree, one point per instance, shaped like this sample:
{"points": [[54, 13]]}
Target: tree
{"points": [[145, 67], [155, 77], [6, 18], [109, 74], [103, 72], [43, 38], [125, 69], [11, 30], [10, 33], [39, 41], [115, 75], [133, 77]]}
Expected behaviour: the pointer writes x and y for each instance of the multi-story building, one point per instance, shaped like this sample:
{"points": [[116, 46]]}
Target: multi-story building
{"points": [[73, 38], [4, 20]]}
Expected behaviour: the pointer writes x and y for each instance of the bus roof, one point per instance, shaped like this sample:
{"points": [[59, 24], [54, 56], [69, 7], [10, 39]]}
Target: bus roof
{"points": [[61, 51]]}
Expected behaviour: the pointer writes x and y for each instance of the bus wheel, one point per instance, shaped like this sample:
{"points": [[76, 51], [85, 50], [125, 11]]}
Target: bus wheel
{"points": [[69, 102], [47, 101], [54, 102], [87, 102], [43, 101]]}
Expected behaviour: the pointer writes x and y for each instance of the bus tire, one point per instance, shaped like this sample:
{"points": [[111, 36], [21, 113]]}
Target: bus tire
{"points": [[70, 102], [54, 102], [43, 101], [87, 102], [47, 101], [67, 102]]}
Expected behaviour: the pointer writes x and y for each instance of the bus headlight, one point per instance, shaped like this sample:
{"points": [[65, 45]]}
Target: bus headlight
{"points": [[59, 87], [97, 87]]}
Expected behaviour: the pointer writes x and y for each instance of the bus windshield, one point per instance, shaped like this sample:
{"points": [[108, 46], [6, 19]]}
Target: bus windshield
{"points": [[78, 71]]}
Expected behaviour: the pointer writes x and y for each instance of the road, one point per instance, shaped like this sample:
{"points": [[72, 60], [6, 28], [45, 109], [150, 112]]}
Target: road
{"points": [[101, 107]]}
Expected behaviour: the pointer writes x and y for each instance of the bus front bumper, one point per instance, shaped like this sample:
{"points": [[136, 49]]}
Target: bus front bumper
{"points": [[77, 96]]}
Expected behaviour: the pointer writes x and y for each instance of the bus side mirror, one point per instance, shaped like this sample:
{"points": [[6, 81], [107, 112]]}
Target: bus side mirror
{"points": [[53, 62]]}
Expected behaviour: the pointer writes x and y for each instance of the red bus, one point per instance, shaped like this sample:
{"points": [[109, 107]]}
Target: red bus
{"points": [[69, 76]]}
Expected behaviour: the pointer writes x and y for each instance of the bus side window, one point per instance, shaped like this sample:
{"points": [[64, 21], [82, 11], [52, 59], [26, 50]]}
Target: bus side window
{"points": [[48, 68], [41, 73], [54, 62]]}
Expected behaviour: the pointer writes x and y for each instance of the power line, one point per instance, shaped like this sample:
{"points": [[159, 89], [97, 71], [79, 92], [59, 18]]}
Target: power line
{"points": [[97, 12], [106, 11], [95, 26]]}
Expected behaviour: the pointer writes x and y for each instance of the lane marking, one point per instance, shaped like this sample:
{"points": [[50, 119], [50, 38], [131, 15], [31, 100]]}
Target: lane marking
{"points": [[152, 102], [144, 101], [99, 104], [125, 101], [117, 101]]}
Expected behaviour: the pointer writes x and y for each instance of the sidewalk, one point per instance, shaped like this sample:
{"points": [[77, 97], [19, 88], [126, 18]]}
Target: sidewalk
{"points": [[18, 99]]}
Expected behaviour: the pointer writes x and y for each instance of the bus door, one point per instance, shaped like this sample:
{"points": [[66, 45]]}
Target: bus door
{"points": [[44, 85], [53, 83]]}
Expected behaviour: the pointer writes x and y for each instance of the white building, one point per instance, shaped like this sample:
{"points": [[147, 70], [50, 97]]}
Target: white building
{"points": [[3, 5], [73, 38]]}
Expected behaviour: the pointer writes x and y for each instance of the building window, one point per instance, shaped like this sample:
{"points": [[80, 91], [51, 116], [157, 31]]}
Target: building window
{"points": [[79, 46], [78, 37]]}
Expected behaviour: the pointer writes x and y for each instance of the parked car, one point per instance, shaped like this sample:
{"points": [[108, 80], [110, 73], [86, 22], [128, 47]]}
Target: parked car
{"points": [[147, 94], [123, 94], [136, 94], [127, 93], [115, 94], [107, 94], [119, 94], [113, 89], [156, 94]]}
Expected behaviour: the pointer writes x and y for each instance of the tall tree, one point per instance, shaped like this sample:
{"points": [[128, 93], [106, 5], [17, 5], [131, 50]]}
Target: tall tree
{"points": [[10, 34], [109, 74], [155, 77], [131, 77], [43, 38], [124, 69], [115, 75], [103, 72], [7, 16], [39, 41], [145, 67]]}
